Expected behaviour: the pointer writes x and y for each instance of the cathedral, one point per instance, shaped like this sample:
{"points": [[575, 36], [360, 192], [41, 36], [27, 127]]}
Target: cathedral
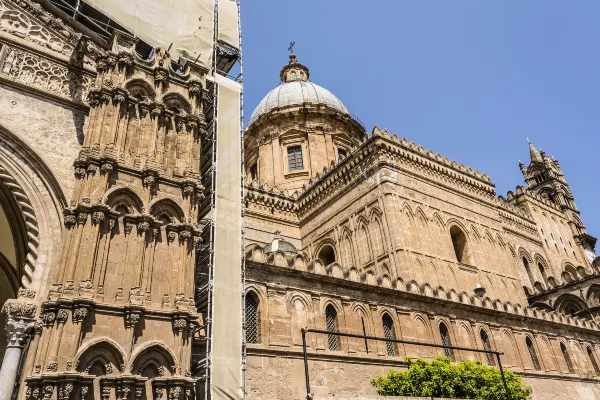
{"points": [[120, 277]]}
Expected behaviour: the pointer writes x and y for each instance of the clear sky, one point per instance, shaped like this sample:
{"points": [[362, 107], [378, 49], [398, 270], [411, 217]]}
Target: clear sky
{"points": [[470, 79]]}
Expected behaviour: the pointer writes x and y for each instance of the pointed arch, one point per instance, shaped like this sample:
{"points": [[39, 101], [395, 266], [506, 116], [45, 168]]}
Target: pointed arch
{"points": [[139, 89], [362, 242], [389, 332], [533, 354], [126, 197], [252, 317], [376, 236], [156, 354], [177, 103], [101, 349], [168, 208], [346, 253]]}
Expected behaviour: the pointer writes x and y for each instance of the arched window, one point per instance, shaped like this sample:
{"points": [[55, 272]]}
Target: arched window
{"points": [[567, 357], [363, 245], [528, 270], [293, 75], [388, 331], [542, 271], [459, 242], [346, 251], [326, 254], [485, 340], [252, 319], [446, 341], [593, 361], [532, 353], [376, 237], [331, 320]]}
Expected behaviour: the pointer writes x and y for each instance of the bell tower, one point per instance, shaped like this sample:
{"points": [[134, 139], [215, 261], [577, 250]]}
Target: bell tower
{"points": [[120, 318], [544, 176]]}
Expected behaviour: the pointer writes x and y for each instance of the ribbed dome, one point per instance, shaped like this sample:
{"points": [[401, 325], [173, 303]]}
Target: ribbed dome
{"points": [[297, 93], [280, 245]]}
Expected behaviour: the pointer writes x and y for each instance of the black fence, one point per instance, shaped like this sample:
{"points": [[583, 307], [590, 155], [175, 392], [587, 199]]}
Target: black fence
{"points": [[365, 337]]}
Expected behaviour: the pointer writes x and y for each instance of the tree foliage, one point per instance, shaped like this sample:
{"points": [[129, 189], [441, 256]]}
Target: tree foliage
{"points": [[442, 378]]}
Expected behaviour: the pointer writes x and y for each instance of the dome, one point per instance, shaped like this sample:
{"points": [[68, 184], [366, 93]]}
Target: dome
{"points": [[297, 93], [295, 89], [280, 245]]}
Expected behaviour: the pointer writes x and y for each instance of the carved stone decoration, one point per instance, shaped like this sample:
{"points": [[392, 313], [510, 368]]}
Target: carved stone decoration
{"points": [[128, 227], [188, 394], [149, 180], [158, 393], [106, 168], [131, 320], [70, 220], [65, 391], [84, 390], [174, 393], [123, 393], [138, 393], [62, 316], [52, 366], [179, 324], [98, 217], [80, 314], [79, 172], [23, 67], [48, 391], [17, 332], [143, 226], [106, 392], [48, 317], [19, 309], [26, 293], [82, 218]]}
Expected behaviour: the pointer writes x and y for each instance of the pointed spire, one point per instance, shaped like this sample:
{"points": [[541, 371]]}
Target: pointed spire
{"points": [[534, 153]]}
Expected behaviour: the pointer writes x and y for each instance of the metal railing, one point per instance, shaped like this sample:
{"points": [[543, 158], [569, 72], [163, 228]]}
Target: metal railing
{"points": [[365, 337]]}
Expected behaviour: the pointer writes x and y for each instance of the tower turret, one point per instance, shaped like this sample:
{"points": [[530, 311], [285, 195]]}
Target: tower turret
{"points": [[544, 176]]}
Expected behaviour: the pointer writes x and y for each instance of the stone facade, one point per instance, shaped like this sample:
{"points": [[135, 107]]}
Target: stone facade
{"points": [[100, 188], [100, 179], [399, 241]]}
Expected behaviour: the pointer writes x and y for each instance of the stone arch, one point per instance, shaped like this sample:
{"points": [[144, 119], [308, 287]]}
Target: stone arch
{"points": [[547, 353], [346, 248], [363, 241], [126, 197], [176, 102], [37, 199], [31, 204], [460, 243], [510, 348], [593, 295], [570, 304], [465, 338], [154, 353], [104, 349], [140, 89], [259, 324], [571, 270], [298, 305], [167, 207], [326, 252]]}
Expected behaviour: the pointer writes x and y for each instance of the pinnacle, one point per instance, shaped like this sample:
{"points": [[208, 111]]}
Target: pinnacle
{"points": [[534, 153]]}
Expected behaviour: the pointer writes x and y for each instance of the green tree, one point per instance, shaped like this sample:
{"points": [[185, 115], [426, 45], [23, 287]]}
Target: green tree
{"points": [[442, 378]]}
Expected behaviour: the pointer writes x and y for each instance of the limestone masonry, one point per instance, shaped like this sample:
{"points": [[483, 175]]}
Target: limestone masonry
{"points": [[103, 159]]}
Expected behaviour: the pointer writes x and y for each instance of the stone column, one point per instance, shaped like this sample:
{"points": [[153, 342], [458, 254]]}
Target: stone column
{"points": [[18, 332]]}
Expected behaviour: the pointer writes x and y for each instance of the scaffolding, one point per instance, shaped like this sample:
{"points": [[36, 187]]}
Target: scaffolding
{"points": [[223, 60]]}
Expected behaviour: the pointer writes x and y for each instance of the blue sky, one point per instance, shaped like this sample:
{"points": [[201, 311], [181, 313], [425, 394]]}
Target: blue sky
{"points": [[468, 79]]}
